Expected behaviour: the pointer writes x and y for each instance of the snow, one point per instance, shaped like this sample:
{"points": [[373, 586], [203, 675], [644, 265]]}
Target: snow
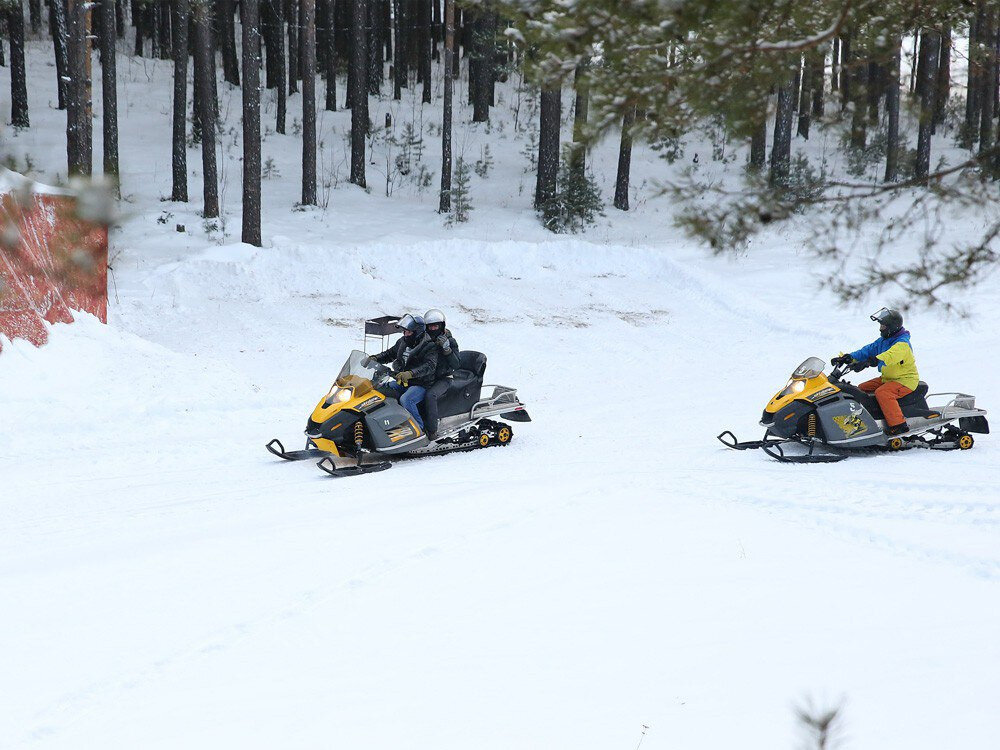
{"points": [[168, 583]]}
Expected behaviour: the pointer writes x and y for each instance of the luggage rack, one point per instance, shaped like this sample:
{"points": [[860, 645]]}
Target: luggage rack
{"points": [[502, 399], [380, 330]]}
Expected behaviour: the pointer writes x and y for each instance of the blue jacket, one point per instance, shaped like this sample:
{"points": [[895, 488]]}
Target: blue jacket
{"points": [[895, 358]]}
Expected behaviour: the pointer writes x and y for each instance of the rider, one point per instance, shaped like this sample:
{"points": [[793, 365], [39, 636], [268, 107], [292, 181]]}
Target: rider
{"points": [[415, 359], [448, 362], [893, 355]]}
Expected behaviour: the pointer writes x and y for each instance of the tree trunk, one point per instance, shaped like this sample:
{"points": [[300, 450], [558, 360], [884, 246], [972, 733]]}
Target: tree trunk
{"points": [[989, 76], [859, 92], [165, 29], [204, 71], [281, 84], [18, 80], [835, 66], [548, 148], [35, 14], [805, 96], [179, 159], [781, 151], [250, 17], [308, 12], [892, 109], [59, 31], [399, 56], [332, 56], [449, 51], [927, 65], [373, 43], [293, 44], [624, 161], [970, 130], [109, 88], [578, 157], [78, 144], [943, 77], [758, 144], [425, 50], [359, 92], [846, 70], [139, 24], [230, 65], [480, 63], [818, 69]]}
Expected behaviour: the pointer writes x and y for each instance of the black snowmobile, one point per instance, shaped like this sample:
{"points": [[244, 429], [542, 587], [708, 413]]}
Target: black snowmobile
{"points": [[833, 419], [359, 424]]}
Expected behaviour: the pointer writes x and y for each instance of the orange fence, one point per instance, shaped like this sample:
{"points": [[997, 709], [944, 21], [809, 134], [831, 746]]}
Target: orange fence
{"points": [[51, 261]]}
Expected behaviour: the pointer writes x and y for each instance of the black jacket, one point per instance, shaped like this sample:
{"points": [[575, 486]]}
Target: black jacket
{"points": [[422, 362], [447, 363]]}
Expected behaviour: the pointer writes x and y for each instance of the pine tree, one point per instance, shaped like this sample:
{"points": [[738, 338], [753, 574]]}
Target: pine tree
{"points": [[18, 82], [204, 72], [461, 202], [179, 191], [58, 27], [892, 110], [308, 11], [449, 52], [548, 149], [927, 65], [230, 65], [78, 124], [781, 151], [109, 89], [624, 161], [359, 91], [251, 121]]}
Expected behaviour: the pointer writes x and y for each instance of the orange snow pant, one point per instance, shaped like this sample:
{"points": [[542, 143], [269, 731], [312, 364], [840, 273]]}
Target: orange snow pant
{"points": [[887, 395]]}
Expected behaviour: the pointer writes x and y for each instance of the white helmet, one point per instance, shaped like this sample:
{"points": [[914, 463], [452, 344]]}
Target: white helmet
{"points": [[433, 316]]}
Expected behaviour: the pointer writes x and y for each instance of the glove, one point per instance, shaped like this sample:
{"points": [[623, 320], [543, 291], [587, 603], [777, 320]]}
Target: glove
{"points": [[859, 366], [444, 342], [368, 362], [403, 378], [843, 359]]}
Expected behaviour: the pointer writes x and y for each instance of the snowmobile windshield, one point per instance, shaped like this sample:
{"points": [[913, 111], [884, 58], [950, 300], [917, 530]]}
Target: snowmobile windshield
{"points": [[811, 368], [358, 373]]}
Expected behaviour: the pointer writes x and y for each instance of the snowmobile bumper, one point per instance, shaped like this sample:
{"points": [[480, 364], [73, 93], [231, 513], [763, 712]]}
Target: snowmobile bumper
{"points": [[310, 451]]}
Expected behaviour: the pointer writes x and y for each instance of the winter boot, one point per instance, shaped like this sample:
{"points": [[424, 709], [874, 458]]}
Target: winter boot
{"points": [[897, 429]]}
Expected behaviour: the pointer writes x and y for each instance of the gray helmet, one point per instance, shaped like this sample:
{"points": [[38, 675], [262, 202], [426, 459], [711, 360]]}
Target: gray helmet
{"points": [[433, 316], [890, 322]]}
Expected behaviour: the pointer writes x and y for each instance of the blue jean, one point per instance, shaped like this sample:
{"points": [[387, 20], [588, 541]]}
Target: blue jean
{"points": [[410, 399]]}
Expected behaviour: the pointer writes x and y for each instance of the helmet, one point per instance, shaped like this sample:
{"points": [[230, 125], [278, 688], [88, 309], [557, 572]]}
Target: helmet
{"points": [[435, 317], [412, 323], [890, 322]]}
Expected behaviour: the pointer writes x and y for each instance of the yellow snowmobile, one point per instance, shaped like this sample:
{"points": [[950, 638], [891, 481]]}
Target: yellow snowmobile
{"points": [[359, 424]]}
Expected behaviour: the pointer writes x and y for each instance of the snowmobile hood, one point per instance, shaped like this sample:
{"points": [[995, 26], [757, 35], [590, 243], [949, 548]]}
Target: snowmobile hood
{"points": [[804, 389]]}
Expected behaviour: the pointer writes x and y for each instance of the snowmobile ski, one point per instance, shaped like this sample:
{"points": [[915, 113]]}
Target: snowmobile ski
{"points": [[328, 466], [278, 450]]}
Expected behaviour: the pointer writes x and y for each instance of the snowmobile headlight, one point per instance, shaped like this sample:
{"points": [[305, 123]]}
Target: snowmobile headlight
{"points": [[345, 394], [794, 386]]}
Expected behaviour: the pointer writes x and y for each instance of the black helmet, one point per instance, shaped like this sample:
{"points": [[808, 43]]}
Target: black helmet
{"points": [[412, 323], [890, 322]]}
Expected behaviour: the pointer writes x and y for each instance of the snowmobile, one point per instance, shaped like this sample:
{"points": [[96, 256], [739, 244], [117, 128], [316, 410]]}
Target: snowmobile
{"points": [[833, 419], [359, 426]]}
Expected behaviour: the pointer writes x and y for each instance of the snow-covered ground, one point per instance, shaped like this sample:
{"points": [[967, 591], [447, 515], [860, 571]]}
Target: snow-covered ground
{"points": [[167, 583]]}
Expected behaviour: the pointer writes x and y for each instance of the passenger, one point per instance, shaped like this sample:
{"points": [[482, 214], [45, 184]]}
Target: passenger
{"points": [[448, 362], [415, 359], [893, 355]]}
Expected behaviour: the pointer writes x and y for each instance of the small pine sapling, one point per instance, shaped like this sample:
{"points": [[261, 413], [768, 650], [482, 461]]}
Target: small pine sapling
{"points": [[485, 163], [461, 202]]}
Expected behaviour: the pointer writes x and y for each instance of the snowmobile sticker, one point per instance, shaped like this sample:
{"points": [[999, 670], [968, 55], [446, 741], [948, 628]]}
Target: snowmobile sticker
{"points": [[852, 424], [399, 433]]}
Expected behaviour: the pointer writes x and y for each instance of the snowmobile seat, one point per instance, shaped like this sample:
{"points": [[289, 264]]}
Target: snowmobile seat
{"points": [[466, 384], [912, 405]]}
